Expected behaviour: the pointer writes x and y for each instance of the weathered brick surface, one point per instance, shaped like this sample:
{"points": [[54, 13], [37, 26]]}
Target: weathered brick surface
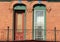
{"points": [[52, 18]]}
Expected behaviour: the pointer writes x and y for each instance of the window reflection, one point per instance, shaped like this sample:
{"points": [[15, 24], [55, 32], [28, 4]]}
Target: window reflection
{"points": [[39, 24]]}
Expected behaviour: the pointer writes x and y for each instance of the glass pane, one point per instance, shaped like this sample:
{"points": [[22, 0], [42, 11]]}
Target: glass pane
{"points": [[39, 23], [38, 38], [40, 18], [38, 33], [19, 22], [39, 13]]}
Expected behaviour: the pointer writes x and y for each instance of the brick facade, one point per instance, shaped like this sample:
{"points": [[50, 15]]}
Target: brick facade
{"points": [[7, 19]]}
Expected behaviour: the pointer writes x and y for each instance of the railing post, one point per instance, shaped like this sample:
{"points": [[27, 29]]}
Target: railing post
{"points": [[8, 34], [55, 33]]}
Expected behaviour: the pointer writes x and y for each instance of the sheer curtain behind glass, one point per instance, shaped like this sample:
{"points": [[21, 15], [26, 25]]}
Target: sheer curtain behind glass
{"points": [[38, 24]]}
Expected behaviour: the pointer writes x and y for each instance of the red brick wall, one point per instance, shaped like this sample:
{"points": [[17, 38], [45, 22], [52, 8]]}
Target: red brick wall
{"points": [[6, 20], [52, 18]]}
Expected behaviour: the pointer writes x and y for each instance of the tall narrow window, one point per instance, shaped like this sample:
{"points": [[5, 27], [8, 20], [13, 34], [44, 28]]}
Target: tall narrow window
{"points": [[39, 22], [19, 21], [19, 25]]}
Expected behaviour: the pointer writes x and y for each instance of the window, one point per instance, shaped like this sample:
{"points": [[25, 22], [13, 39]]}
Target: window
{"points": [[19, 21], [38, 24]]}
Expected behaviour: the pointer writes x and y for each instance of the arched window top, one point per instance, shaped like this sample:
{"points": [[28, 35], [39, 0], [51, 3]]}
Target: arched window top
{"points": [[19, 7], [39, 6]]}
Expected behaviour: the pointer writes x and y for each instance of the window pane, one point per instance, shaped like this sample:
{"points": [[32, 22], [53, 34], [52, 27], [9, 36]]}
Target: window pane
{"points": [[39, 32], [19, 22], [39, 13], [39, 24], [38, 38], [39, 18]]}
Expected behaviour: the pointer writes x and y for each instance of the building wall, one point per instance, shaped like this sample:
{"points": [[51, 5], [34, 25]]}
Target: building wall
{"points": [[6, 19], [52, 19]]}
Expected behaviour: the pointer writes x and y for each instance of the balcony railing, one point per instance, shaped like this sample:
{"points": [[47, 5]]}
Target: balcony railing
{"points": [[50, 35]]}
